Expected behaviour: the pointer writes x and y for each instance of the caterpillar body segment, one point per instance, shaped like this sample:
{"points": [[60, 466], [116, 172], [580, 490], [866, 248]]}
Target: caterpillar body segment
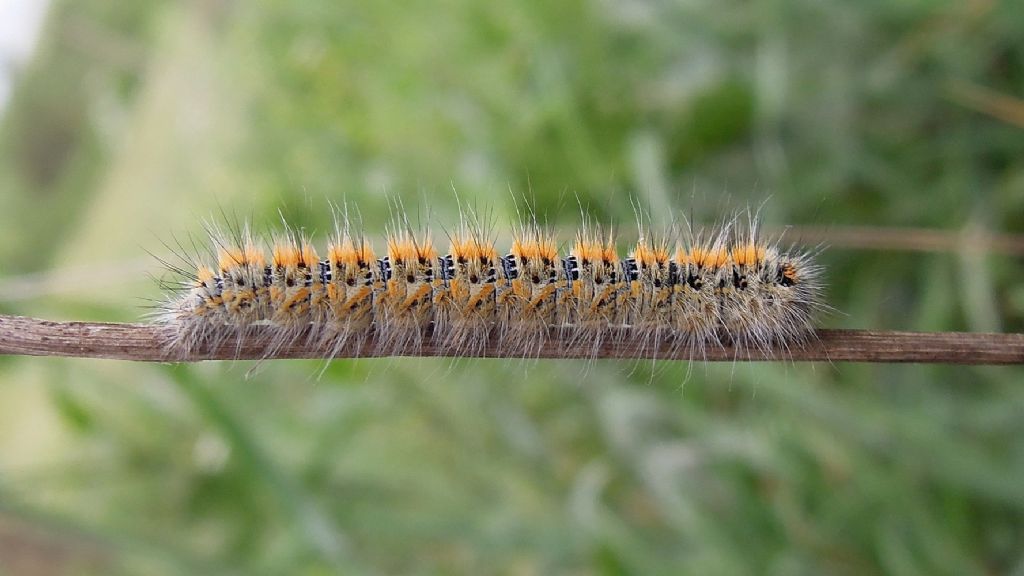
{"points": [[241, 273], [534, 293], [647, 302], [594, 277], [349, 286], [405, 308], [467, 298]]}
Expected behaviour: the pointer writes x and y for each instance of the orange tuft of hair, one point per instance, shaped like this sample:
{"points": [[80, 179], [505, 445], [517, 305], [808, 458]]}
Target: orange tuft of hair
{"points": [[204, 274], [308, 257], [253, 255], [230, 257], [648, 256], [472, 249], [710, 257], [749, 255], [286, 255], [349, 254]]}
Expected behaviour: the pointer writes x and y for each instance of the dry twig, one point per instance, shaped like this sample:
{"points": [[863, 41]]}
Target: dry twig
{"points": [[146, 343]]}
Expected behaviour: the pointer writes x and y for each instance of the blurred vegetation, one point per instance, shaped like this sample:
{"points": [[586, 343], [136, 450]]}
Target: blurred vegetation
{"points": [[136, 120]]}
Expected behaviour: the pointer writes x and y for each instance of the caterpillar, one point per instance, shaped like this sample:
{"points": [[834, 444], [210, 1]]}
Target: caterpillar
{"points": [[690, 288]]}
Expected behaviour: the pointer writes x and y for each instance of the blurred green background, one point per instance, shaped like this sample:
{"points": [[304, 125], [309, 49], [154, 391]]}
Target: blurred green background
{"points": [[134, 121]]}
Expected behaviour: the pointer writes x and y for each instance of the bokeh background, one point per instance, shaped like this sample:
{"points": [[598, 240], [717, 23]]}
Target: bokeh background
{"points": [[132, 122]]}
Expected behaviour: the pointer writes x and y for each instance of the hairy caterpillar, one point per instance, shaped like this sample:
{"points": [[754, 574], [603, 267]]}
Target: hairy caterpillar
{"points": [[691, 289]]}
